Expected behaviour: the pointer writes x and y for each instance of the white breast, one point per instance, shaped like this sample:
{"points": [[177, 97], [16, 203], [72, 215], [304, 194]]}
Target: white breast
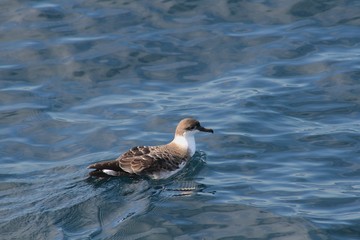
{"points": [[186, 141]]}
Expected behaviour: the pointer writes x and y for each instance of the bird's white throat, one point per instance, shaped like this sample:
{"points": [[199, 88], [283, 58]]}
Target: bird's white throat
{"points": [[186, 141]]}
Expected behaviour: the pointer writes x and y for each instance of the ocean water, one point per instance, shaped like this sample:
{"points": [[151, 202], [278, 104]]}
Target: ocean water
{"points": [[278, 81]]}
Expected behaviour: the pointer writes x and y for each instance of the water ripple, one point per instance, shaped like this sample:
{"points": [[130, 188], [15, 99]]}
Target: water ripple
{"points": [[277, 82]]}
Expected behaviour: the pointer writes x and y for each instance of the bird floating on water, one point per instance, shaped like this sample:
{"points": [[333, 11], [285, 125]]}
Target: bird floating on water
{"points": [[156, 162]]}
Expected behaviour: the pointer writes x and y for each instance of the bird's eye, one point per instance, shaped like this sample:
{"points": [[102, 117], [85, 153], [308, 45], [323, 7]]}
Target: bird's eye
{"points": [[191, 128]]}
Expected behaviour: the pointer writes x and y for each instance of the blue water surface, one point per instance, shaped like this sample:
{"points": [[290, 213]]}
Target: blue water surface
{"points": [[278, 81]]}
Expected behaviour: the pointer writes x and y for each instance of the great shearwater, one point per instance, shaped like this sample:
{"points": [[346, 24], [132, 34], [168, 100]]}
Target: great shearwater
{"points": [[156, 162]]}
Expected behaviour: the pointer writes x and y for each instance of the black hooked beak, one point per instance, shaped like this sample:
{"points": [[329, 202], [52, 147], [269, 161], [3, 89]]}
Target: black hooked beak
{"points": [[202, 129]]}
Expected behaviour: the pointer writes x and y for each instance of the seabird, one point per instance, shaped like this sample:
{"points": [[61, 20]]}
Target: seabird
{"points": [[156, 162]]}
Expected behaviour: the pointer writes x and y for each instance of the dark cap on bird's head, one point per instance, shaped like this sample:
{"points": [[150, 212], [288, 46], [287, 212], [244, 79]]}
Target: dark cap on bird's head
{"points": [[190, 124]]}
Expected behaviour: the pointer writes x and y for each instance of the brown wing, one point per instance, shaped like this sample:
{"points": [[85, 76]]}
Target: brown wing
{"points": [[165, 161], [137, 151], [149, 159], [136, 159]]}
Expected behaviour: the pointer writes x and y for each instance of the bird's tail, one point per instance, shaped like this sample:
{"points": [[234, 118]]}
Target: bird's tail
{"points": [[98, 174], [111, 165], [106, 169]]}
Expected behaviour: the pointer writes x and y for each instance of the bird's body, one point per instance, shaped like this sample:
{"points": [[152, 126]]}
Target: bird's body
{"points": [[156, 162]]}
